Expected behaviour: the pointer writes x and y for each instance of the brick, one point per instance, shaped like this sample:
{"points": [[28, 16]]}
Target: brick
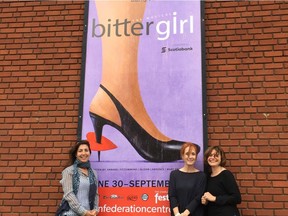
{"points": [[246, 75]]}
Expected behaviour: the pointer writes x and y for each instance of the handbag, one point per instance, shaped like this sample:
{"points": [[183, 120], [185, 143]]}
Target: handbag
{"points": [[64, 206]]}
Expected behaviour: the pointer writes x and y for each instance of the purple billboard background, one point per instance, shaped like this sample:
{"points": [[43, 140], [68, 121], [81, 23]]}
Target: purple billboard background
{"points": [[171, 89]]}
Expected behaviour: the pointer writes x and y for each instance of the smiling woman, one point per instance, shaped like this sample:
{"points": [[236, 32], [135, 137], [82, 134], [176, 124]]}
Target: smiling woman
{"points": [[222, 194], [79, 183], [83, 153], [187, 184]]}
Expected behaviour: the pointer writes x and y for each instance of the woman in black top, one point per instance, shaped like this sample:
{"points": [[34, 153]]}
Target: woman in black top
{"points": [[222, 194], [187, 185]]}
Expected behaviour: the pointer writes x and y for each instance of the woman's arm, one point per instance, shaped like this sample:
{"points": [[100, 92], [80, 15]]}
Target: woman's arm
{"points": [[69, 195], [200, 189], [173, 194], [233, 195]]}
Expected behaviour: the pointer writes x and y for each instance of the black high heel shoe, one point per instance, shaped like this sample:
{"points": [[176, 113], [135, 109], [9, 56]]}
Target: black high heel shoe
{"points": [[148, 147]]}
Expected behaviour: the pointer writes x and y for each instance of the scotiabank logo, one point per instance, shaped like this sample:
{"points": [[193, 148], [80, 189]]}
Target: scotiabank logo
{"points": [[161, 198]]}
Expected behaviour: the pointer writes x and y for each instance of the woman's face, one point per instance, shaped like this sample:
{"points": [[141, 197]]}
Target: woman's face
{"points": [[214, 159], [83, 153], [189, 156]]}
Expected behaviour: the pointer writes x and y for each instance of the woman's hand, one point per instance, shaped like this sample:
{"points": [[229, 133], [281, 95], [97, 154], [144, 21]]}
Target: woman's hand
{"points": [[94, 212], [91, 213], [204, 201], [185, 213], [209, 197]]}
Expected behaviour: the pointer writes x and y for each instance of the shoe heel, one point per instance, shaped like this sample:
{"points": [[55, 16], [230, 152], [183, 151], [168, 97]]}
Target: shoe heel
{"points": [[147, 146], [98, 124]]}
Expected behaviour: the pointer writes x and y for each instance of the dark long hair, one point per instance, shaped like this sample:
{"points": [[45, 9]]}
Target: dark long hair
{"points": [[74, 149]]}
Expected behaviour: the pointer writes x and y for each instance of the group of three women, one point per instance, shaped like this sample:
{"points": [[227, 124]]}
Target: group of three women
{"points": [[189, 189]]}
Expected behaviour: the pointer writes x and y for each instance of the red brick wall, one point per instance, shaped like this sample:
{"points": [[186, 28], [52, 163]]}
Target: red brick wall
{"points": [[40, 64], [247, 92]]}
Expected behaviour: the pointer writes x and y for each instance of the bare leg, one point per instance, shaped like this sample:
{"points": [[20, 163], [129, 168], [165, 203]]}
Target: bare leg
{"points": [[119, 71]]}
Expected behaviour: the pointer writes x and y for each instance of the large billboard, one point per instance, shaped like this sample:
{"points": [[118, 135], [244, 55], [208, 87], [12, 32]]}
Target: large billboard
{"points": [[142, 98]]}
